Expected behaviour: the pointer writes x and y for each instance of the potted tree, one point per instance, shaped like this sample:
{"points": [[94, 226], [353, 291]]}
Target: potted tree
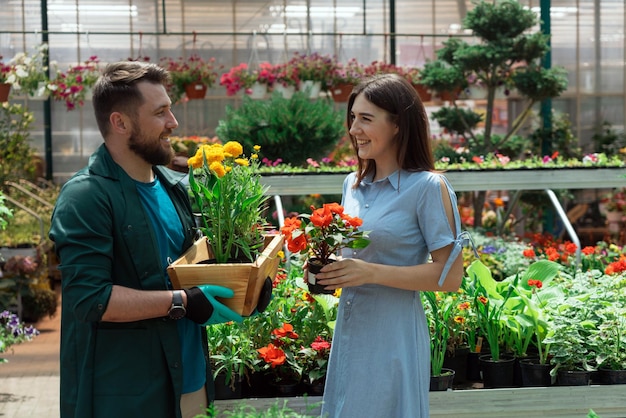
{"points": [[508, 55]]}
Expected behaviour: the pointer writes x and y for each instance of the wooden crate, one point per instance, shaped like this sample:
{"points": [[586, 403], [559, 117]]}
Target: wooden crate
{"points": [[245, 279]]}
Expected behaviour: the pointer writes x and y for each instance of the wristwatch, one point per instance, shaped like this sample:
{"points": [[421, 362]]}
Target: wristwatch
{"points": [[177, 310]]}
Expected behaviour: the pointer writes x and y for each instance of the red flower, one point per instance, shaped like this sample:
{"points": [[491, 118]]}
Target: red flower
{"points": [[285, 331], [536, 283], [297, 244], [272, 355], [483, 300], [588, 250], [529, 253], [327, 231], [321, 217], [570, 247], [320, 344]]}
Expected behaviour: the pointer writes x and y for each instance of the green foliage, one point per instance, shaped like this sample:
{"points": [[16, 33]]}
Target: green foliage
{"points": [[457, 120], [438, 319], [5, 213], [559, 135], [608, 140], [497, 20], [291, 130], [16, 152], [227, 191], [243, 410], [506, 54], [38, 303]]}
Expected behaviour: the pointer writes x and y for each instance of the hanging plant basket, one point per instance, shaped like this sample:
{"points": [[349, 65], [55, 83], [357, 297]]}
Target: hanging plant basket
{"points": [[423, 92], [341, 92], [195, 91], [247, 280], [5, 88]]}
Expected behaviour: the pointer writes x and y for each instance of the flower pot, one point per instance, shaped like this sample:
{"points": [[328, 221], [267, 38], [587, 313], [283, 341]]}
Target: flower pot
{"points": [[314, 389], [257, 91], [341, 92], [473, 367], [5, 89], [443, 381], [249, 281], [41, 93], [614, 219], [573, 377], [497, 374], [535, 374], [285, 91], [257, 385], [314, 267], [458, 361], [612, 377], [286, 388], [312, 87], [195, 91], [423, 93], [232, 390]]}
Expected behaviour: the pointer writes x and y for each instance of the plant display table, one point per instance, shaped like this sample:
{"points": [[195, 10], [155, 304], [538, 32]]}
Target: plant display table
{"points": [[550, 402], [462, 181], [470, 180]]}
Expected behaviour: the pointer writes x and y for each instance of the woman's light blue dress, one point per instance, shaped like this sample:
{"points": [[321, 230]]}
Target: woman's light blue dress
{"points": [[380, 357]]}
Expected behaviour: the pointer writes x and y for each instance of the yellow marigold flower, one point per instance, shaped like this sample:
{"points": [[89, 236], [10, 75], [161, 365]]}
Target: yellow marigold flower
{"points": [[195, 161], [280, 254], [217, 168], [213, 154], [242, 161], [233, 148], [257, 148], [254, 157], [228, 168]]}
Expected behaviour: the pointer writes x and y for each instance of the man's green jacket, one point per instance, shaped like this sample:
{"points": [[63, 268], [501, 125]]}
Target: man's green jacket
{"points": [[104, 237]]}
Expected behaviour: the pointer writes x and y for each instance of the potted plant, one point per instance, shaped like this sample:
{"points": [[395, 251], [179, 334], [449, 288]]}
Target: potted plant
{"points": [[507, 54], [414, 77], [6, 74], [291, 130], [438, 315], [27, 73], [191, 76], [345, 77], [229, 201], [255, 83], [610, 343], [286, 79], [73, 85], [232, 358], [314, 71], [320, 235], [572, 324], [490, 304], [314, 359], [280, 360]]}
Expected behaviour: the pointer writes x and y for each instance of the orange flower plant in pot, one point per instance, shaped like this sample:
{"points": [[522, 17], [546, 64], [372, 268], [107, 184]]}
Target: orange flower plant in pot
{"points": [[320, 236]]}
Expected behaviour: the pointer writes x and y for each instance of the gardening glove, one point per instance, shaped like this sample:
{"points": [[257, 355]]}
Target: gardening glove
{"points": [[203, 307]]}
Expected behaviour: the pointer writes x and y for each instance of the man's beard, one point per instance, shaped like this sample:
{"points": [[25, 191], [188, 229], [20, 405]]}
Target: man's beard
{"points": [[151, 151]]}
